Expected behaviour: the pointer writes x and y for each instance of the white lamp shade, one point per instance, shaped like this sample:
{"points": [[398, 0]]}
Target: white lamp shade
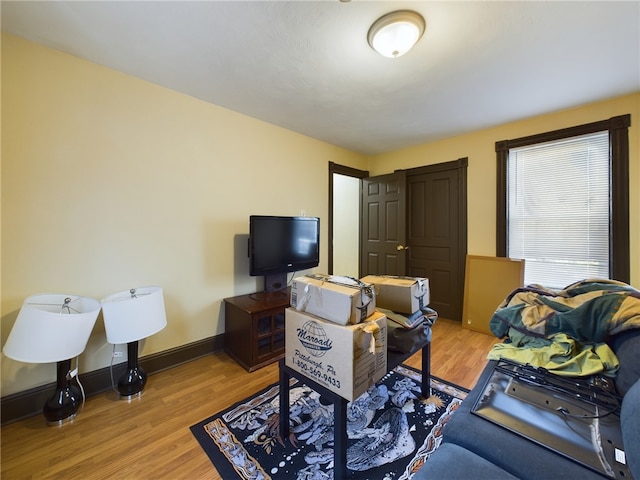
{"points": [[47, 331], [396, 33], [130, 318]]}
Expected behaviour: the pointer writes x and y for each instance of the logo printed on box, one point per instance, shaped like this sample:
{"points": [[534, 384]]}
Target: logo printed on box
{"points": [[314, 339]]}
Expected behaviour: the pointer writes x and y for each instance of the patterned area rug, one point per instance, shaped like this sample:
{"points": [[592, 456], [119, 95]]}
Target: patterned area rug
{"points": [[391, 432]]}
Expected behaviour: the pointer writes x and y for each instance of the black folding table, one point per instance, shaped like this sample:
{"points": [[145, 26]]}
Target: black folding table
{"points": [[340, 404]]}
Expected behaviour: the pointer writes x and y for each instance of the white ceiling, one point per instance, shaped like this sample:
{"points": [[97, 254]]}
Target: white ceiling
{"points": [[307, 66]]}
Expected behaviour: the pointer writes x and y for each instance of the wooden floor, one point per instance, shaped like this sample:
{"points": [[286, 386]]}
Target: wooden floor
{"points": [[149, 438]]}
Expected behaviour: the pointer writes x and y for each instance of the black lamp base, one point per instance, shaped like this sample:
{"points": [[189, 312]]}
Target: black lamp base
{"points": [[132, 383], [63, 406], [134, 379]]}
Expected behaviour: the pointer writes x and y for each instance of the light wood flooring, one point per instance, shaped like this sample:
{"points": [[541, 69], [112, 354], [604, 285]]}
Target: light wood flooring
{"points": [[149, 438]]}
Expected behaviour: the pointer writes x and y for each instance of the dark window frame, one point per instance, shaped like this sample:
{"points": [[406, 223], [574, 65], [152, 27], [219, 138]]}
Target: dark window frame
{"points": [[619, 243]]}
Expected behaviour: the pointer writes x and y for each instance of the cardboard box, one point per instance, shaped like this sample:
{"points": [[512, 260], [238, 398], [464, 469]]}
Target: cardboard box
{"points": [[340, 300], [345, 359], [400, 294]]}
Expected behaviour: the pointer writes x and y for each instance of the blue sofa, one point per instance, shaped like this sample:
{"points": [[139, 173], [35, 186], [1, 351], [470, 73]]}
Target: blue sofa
{"points": [[475, 448]]}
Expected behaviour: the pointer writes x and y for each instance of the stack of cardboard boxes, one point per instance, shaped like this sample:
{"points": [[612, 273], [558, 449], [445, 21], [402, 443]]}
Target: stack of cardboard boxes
{"points": [[334, 333], [405, 295], [404, 300]]}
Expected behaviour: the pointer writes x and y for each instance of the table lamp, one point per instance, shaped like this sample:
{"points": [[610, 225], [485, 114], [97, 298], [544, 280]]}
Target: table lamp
{"points": [[130, 316], [55, 328]]}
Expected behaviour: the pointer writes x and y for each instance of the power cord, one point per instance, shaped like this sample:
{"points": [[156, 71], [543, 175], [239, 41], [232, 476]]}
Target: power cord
{"points": [[565, 412], [74, 374], [113, 356]]}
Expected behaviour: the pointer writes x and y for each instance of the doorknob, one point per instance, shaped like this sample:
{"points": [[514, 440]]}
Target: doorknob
{"points": [[402, 247]]}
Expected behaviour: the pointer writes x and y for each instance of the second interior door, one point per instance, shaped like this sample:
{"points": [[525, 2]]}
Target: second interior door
{"points": [[383, 223]]}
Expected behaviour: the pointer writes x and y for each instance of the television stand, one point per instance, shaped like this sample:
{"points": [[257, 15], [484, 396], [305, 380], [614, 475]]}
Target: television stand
{"points": [[275, 281], [254, 328]]}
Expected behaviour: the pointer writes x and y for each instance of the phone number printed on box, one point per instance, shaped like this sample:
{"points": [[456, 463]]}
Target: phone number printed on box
{"points": [[315, 370]]}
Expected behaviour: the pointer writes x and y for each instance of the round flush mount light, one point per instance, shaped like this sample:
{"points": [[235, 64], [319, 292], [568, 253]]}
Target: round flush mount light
{"points": [[395, 33]]}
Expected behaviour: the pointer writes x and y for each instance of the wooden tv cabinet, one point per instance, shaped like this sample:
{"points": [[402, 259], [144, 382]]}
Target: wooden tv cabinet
{"points": [[254, 328]]}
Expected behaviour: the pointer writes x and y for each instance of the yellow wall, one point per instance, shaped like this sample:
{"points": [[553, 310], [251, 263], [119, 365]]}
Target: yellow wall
{"points": [[110, 182], [479, 147]]}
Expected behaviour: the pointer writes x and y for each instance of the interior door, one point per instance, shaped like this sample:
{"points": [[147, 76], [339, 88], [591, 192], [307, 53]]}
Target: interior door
{"points": [[383, 236], [437, 233], [414, 222]]}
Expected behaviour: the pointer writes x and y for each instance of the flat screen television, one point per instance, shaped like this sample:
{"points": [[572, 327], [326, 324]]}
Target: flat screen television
{"points": [[278, 245]]}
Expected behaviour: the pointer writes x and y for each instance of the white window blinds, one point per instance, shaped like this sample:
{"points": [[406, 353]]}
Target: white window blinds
{"points": [[558, 209]]}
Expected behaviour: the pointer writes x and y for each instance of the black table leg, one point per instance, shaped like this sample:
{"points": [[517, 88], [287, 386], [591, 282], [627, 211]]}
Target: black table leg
{"points": [[340, 439], [340, 405], [426, 370], [284, 401]]}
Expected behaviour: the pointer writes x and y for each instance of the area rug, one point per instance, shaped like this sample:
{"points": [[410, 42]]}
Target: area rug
{"points": [[392, 432]]}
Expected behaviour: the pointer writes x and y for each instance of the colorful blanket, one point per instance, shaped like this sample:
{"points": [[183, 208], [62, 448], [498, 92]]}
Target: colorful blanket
{"points": [[565, 330]]}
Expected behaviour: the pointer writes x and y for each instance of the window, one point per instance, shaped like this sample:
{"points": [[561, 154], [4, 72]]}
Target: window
{"points": [[563, 203]]}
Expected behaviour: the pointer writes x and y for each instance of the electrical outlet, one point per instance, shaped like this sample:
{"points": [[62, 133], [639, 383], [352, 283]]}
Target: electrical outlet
{"points": [[117, 354]]}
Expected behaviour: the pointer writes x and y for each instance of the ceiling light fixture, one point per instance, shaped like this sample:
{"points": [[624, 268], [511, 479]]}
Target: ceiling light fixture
{"points": [[395, 33]]}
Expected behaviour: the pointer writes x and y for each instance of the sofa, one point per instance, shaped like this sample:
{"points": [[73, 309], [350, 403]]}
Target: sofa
{"points": [[473, 447]]}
